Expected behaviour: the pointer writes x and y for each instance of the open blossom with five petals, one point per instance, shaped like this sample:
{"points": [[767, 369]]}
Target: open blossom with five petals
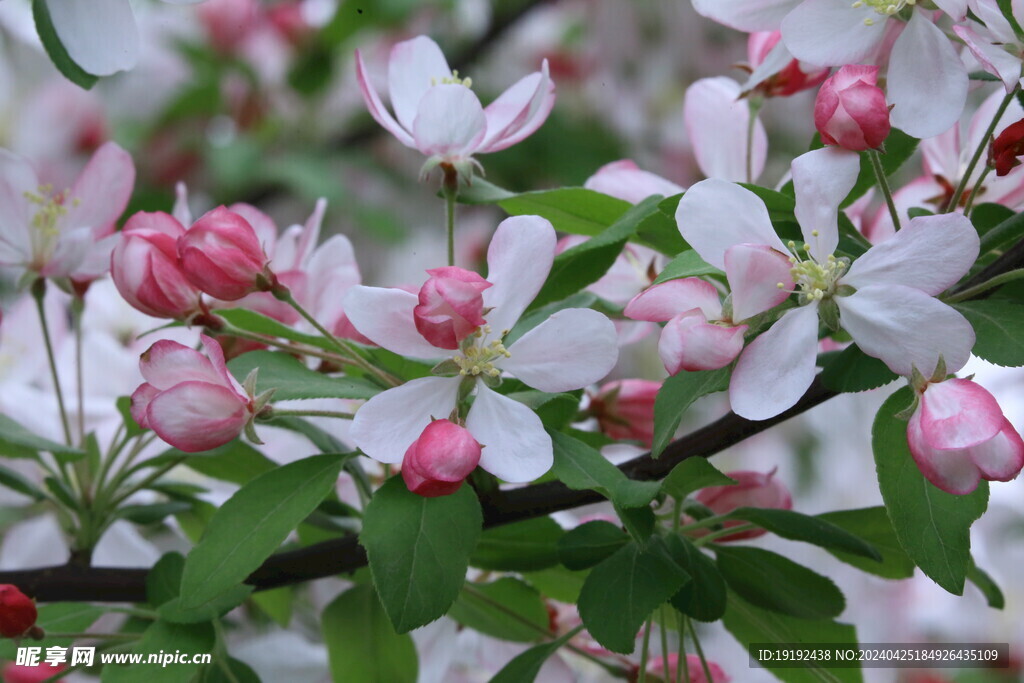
{"points": [[190, 400], [571, 349], [958, 435], [438, 114], [63, 233], [926, 81], [885, 300]]}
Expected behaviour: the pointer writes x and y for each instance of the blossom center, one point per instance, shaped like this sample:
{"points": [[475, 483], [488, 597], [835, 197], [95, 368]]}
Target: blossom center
{"points": [[452, 80], [51, 209], [478, 355], [815, 281], [886, 8]]}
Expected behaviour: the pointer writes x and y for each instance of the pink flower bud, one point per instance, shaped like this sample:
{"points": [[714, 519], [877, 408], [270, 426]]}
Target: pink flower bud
{"points": [[850, 110], [958, 436], [657, 667], [189, 400], [222, 256], [17, 612], [451, 306], [144, 266], [625, 409], [438, 461], [792, 78], [753, 489], [19, 673]]}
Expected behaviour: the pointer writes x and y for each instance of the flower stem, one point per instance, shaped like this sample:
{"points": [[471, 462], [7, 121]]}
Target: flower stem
{"points": [[305, 350], [77, 308], [974, 291], [663, 632], [883, 184], [277, 412], [982, 145], [754, 104], [39, 293], [700, 651], [450, 191], [715, 535], [976, 189], [682, 666], [644, 650]]}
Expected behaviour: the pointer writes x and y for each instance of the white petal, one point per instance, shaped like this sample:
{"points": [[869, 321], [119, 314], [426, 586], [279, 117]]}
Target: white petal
{"points": [[954, 8], [384, 316], [746, 15], [386, 425], [516, 447], [377, 109], [930, 253], [624, 180], [665, 301], [519, 111], [518, 262], [714, 215], [822, 179], [759, 278], [101, 192], [571, 349], [99, 35], [16, 178], [904, 327], [832, 32], [927, 80], [991, 56], [414, 66], [717, 121], [449, 122], [776, 369]]}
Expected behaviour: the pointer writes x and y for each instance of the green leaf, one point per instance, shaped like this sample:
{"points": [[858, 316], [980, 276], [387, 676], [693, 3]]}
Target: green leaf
{"points": [[704, 597], [525, 666], [987, 216], [659, 230], [580, 467], [554, 410], [687, 264], [152, 513], [774, 582], [558, 583], [873, 525], [164, 580], [853, 370], [251, 524], [362, 646], [590, 543], [676, 395], [987, 585], [178, 612], [1002, 235], [165, 637], [521, 547], [290, 379], [622, 591], [934, 527], [749, 624], [124, 406], [214, 672], [999, 328], [570, 209], [899, 147], [799, 527], [16, 481], [18, 442], [236, 462], [419, 550], [691, 475], [251, 321], [586, 263], [499, 609], [56, 50]]}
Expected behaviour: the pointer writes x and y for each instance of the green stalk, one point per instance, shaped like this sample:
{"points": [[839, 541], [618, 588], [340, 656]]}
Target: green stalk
{"points": [[883, 184], [39, 293]]}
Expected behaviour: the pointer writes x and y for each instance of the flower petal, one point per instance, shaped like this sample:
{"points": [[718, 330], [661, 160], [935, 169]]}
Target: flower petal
{"points": [[905, 328], [832, 32], [197, 416], [386, 425], [688, 343], [755, 272], [746, 15], [930, 253], [102, 190], [775, 370], [518, 262], [450, 122], [16, 178], [665, 301], [385, 317], [953, 471], [1001, 457], [99, 35], [822, 179], [625, 180], [959, 413], [717, 121], [377, 109], [519, 111], [927, 81], [414, 66], [992, 57], [714, 215], [516, 447], [167, 363], [571, 349]]}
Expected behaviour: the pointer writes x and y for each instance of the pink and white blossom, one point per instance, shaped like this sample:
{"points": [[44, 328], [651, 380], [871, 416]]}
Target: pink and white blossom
{"points": [[571, 349], [958, 436], [993, 41], [884, 300], [63, 233], [437, 113], [190, 400]]}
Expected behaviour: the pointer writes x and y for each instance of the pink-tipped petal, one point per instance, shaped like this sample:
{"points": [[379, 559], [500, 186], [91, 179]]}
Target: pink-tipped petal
{"points": [[140, 403], [515, 446], [776, 368], [385, 316], [197, 416], [992, 57], [1001, 458], [689, 343], [953, 471], [102, 190], [518, 262], [167, 363], [376, 108], [755, 273], [822, 179], [414, 66], [664, 301], [519, 111], [624, 180], [959, 413]]}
